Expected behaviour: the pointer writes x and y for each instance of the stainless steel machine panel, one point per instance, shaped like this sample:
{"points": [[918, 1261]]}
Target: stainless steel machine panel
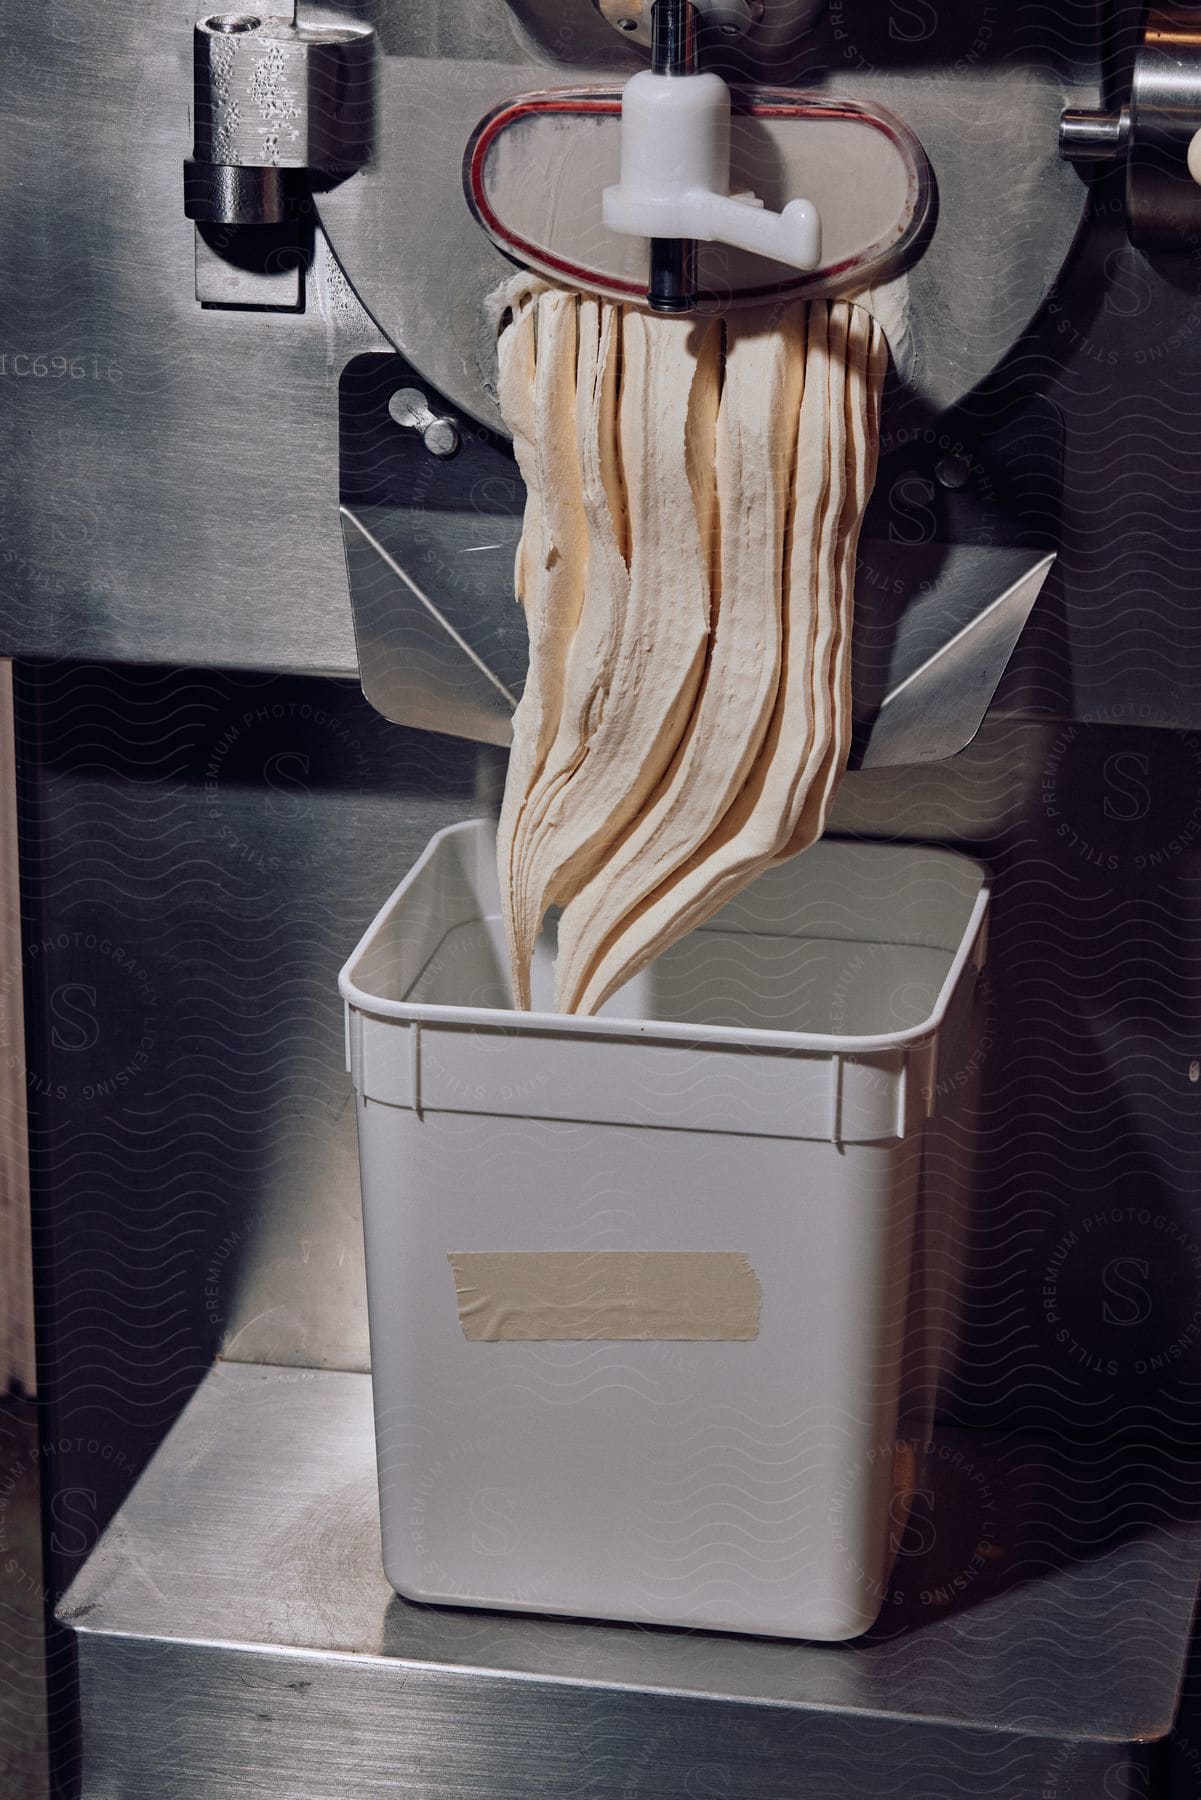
{"points": [[169, 482]]}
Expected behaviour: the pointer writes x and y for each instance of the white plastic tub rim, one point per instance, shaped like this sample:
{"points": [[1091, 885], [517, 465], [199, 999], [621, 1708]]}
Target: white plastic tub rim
{"points": [[388, 951], [407, 932]]}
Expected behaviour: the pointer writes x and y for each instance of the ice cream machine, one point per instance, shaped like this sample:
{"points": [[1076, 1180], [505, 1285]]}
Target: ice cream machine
{"points": [[259, 518]]}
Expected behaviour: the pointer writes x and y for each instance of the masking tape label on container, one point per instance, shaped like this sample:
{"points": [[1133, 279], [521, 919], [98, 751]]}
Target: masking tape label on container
{"points": [[606, 1295]]}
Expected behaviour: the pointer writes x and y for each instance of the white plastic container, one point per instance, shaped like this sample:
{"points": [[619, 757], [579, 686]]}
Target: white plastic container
{"points": [[765, 1090]]}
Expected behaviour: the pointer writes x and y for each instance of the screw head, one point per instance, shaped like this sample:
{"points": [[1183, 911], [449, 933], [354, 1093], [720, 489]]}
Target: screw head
{"points": [[952, 472], [627, 24], [441, 438], [409, 407]]}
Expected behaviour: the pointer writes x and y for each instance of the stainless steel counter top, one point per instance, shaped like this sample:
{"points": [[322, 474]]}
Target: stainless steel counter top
{"points": [[236, 1636]]}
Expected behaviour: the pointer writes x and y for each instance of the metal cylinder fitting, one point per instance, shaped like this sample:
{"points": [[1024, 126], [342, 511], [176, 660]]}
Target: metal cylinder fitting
{"points": [[271, 97], [1156, 135], [1165, 115], [1094, 137]]}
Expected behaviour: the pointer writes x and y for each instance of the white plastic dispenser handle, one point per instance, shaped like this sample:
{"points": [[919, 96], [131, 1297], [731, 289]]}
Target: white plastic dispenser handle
{"points": [[675, 175]]}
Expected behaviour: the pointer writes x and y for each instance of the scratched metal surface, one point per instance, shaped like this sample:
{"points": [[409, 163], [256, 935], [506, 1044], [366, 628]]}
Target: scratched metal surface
{"points": [[169, 478], [241, 1580]]}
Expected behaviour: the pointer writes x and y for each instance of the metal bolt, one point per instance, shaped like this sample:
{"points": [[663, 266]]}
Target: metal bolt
{"points": [[627, 24], [1091, 137], [952, 472], [441, 438], [410, 409]]}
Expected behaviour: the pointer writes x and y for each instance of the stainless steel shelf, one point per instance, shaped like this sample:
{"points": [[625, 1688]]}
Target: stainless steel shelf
{"points": [[236, 1637]]}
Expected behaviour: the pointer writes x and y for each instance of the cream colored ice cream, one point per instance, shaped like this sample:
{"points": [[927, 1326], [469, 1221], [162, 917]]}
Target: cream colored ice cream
{"points": [[695, 493]]}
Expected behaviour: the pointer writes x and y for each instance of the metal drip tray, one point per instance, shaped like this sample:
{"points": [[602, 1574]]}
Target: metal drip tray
{"points": [[236, 1635]]}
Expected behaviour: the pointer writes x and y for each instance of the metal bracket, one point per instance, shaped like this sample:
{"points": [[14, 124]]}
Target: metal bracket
{"points": [[442, 644], [275, 103]]}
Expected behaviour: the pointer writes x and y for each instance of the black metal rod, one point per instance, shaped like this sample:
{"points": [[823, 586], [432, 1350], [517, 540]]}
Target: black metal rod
{"points": [[673, 275], [673, 37], [672, 286]]}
